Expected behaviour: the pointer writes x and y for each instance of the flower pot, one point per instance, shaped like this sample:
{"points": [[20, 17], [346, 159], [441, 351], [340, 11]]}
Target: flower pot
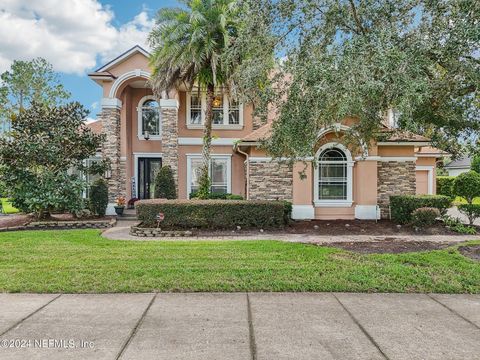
{"points": [[119, 210]]}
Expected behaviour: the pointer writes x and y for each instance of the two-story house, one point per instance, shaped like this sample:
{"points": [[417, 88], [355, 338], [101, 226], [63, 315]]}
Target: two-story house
{"points": [[144, 133]]}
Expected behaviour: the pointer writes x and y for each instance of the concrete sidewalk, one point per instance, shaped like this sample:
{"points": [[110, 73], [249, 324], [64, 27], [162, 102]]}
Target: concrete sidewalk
{"points": [[121, 232], [239, 326]]}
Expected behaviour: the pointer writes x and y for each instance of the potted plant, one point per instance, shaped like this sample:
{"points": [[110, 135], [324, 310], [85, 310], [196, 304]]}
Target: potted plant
{"points": [[120, 205]]}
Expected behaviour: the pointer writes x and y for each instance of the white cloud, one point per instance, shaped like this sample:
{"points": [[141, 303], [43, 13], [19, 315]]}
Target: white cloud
{"points": [[70, 34]]}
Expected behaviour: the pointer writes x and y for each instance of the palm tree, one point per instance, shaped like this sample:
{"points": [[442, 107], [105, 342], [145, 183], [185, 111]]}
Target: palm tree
{"points": [[188, 47]]}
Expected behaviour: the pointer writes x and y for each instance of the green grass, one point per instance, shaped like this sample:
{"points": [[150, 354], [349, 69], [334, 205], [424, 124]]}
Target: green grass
{"points": [[7, 206], [80, 261]]}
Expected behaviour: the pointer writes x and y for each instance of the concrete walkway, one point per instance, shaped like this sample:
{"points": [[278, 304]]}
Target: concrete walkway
{"points": [[239, 326], [121, 232]]}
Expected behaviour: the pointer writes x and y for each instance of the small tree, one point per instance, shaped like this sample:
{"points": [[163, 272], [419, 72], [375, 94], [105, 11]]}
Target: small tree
{"points": [[45, 143], [165, 184], [99, 197], [476, 163], [467, 185]]}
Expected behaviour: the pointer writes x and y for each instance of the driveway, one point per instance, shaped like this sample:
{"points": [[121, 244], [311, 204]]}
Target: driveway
{"points": [[239, 326]]}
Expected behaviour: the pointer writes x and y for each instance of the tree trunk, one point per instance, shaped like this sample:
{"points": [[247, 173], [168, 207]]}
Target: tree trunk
{"points": [[204, 183]]}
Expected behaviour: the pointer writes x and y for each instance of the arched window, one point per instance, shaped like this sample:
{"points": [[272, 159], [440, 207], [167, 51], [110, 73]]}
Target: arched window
{"points": [[149, 119], [334, 177]]}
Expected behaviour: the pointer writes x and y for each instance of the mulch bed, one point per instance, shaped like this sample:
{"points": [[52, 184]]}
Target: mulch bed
{"points": [[388, 246], [471, 251], [336, 227], [360, 227]]}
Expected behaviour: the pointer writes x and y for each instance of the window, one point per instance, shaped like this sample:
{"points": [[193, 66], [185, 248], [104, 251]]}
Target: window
{"points": [[149, 119], [219, 171], [196, 109], [227, 112], [333, 177], [332, 184]]}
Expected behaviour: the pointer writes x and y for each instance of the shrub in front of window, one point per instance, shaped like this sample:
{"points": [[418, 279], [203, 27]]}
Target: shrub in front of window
{"points": [[467, 186], [213, 214], [218, 196], [165, 184], [99, 197], [471, 211], [402, 206], [445, 186], [424, 217]]}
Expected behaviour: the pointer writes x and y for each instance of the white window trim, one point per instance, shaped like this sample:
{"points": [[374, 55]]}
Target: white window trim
{"points": [[203, 99], [140, 120], [429, 170], [227, 157], [335, 203], [137, 155]]}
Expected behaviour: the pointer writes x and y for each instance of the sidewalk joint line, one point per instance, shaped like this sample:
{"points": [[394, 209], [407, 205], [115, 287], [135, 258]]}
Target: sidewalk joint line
{"points": [[30, 315], [365, 332], [453, 311], [253, 346], [136, 327]]}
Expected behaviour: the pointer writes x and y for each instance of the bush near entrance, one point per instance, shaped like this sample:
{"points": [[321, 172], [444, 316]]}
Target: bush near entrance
{"points": [[445, 186], [402, 206], [213, 214], [165, 184]]}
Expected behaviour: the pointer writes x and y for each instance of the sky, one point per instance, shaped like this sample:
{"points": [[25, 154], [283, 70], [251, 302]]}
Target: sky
{"points": [[75, 36]]}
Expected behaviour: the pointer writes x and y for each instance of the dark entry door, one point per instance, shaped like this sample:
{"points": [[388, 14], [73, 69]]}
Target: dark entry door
{"points": [[147, 169]]}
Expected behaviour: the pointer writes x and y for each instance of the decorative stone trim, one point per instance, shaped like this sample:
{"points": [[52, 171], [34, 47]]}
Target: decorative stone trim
{"points": [[394, 178], [169, 116], [63, 225], [157, 232], [270, 181]]}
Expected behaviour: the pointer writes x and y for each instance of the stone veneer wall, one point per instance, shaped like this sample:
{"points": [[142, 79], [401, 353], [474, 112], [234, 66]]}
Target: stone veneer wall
{"points": [[270, 181], [394, 178], [169, 117], [111, 150]]}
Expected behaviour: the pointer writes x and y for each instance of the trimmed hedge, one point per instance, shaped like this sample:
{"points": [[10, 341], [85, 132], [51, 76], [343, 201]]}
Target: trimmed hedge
{"points": [[445, 186], [213, 214], [218, 196], [402, 206]]}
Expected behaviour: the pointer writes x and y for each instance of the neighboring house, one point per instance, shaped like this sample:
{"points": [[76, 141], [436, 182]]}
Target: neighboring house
{"points": [[456, 167], [144, 134]]}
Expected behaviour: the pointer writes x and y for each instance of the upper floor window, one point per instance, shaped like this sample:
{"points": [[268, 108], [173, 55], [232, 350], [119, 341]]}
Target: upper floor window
{"points": [[149, 126], [227, 112]]}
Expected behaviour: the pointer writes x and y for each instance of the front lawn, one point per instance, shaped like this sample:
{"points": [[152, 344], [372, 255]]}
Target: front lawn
{"points": [[81, 261]]}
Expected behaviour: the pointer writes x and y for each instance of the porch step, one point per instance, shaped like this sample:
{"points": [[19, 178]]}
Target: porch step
{"points": [[128, 214]]}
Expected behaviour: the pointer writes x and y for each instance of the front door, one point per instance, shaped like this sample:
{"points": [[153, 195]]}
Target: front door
{"points": [[147, 170]]}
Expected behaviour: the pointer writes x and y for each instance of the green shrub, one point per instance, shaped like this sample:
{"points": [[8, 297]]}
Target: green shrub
{"points": [[471, 211], [445, 186], [99, 197], [213, 214], [475, 165], [217, 196], [424, 217], [467, 185], [402, 206], [456, 225], [165, 184]]}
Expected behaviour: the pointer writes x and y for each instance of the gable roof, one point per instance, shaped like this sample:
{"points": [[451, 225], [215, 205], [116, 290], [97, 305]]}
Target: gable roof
{"points": [[95, 126], [462, 163], [134, 50]]}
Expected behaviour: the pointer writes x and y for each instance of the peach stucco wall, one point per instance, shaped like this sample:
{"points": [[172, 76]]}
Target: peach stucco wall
{"points": [[396, 151]]}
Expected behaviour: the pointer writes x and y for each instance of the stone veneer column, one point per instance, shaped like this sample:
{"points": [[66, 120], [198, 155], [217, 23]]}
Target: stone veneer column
{"points": [[169, 119], [394, 178], [270, 180], [110, 117]]}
